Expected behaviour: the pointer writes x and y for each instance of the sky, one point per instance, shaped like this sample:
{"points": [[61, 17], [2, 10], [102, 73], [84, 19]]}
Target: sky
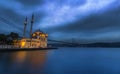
{"points": [[82, 20]]}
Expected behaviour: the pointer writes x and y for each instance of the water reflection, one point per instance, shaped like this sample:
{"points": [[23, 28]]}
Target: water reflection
{"points": [[37, 58], [19, 57], [62, 61], [22, 62]]}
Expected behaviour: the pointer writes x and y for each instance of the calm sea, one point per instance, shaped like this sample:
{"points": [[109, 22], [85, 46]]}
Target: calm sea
{"points": [[62, 61]]}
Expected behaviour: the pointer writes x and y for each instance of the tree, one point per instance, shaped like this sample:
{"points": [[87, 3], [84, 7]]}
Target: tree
{"points": [[13, 35], [3, 38], [8, 39]]}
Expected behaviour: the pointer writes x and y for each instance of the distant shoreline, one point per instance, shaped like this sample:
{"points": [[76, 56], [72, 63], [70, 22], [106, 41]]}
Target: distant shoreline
{"points": [[105, 45]]}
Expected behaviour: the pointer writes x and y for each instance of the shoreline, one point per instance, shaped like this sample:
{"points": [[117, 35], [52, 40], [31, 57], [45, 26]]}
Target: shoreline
{"points": [[23, 49]]}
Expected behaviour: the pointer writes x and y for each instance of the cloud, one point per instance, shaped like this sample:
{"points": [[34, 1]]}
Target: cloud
{"points": [[8, 20], [30, 3], [12, 20], [103, 27], [66, 13], [82, 19], [93, 22]]}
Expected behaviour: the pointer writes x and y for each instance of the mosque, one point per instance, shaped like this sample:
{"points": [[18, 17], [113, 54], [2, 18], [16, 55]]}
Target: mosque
{"points": [[37, 39]]}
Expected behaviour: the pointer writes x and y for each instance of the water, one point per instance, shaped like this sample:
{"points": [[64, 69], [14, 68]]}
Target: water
{"points": [[62, 61]]}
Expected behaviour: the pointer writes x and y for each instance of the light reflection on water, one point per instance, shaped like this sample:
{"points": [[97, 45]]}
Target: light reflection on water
{"points": [[62, 61], [22, 62]]}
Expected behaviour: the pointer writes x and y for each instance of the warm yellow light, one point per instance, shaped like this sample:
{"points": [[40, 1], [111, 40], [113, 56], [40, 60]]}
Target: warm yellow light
{"points": [[33, 34], [43, 35], [46, 35], [23, 44], [20, 56]]}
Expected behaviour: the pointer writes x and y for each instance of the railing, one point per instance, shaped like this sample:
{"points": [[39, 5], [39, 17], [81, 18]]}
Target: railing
{"points": [[7, 46]]}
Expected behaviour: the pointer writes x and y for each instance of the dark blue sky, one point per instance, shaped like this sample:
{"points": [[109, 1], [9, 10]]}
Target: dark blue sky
{"points": [[83, 20]]}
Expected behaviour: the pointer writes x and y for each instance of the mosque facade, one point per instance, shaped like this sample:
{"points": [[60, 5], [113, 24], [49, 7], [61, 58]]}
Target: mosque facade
{"points": [[37, 39]]}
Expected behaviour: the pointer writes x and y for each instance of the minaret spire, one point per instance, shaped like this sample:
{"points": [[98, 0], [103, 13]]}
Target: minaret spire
{"points": [[25, 24], [31, 27]]}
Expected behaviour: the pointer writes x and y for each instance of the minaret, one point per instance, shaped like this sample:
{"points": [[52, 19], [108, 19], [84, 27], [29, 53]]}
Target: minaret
{"points": [[31, 27], [25, 24]]}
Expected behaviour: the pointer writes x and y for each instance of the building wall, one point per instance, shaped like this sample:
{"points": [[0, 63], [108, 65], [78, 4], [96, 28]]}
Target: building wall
{"points": [[38, 40], [31, 43]]}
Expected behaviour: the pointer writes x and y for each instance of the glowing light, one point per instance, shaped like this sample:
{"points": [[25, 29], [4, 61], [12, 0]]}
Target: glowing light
{"points": [[46, 34], [34, 35], [23, 44], [21, 56]]}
